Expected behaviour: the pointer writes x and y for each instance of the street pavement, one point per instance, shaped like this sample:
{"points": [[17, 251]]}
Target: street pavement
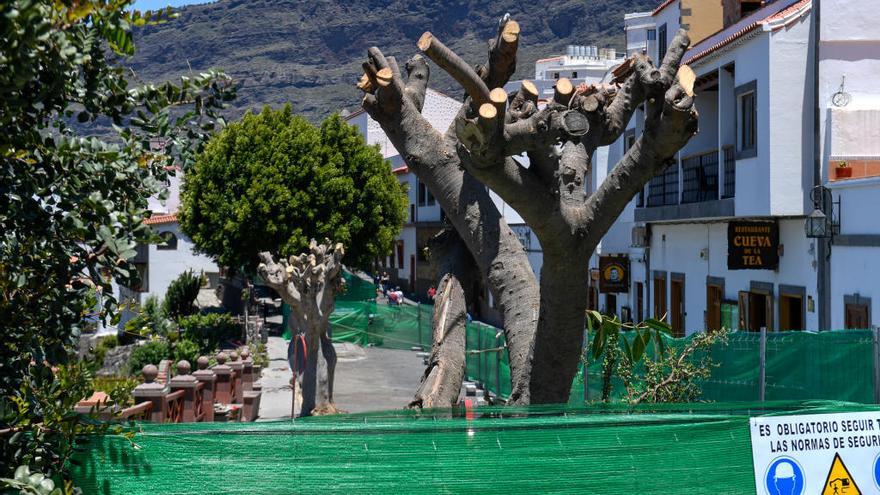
{"points": [[367, 379]]}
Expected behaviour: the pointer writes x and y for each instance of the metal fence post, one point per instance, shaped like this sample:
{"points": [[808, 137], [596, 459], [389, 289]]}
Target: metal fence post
{"points": [[419, 319], [875, 334], [498, 364], [763, 365], [584, 368]]}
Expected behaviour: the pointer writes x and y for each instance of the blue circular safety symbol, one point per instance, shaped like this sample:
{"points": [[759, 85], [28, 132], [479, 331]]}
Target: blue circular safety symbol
{"points": [[877, 471], [784, 477]]}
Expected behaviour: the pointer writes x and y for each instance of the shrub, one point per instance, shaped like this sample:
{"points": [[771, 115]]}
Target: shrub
{"points": [[151, 320], [101, 348], [150, 353], [188, 350], [209, 330], [181, 295]]}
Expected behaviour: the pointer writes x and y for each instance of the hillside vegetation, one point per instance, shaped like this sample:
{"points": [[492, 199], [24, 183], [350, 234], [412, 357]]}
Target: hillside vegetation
{"points": [[308, 53]]}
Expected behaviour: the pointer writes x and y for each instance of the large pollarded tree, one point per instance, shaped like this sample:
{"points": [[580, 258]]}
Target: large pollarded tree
{"points": [[544, 322], [267, 186]]}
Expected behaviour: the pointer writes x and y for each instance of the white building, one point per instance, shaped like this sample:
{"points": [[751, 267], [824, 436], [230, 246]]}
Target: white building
{"points": [[849, 118], [159, 264], [580, 64], [718, 238]]}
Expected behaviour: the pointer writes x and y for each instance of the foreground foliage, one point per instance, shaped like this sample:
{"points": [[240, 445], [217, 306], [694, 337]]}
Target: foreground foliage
{"points": [[72, 206], [650, 369]]}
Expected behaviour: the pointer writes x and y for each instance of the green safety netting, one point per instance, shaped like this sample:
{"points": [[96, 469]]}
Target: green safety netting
{"points": [[831, 365], [692, 448]]}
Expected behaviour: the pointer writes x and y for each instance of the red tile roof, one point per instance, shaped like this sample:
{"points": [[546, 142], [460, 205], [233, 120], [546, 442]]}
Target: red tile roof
{"points": [[776, 11], [160, 219], [662, 6]]}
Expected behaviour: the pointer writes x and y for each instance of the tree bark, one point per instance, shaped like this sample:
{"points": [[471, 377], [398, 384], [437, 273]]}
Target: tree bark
{"points": [[308, 284], [496, 249], [441, 382]]}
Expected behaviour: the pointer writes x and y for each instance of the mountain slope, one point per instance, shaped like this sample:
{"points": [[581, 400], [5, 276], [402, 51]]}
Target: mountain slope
{"points": [[309, 53]]}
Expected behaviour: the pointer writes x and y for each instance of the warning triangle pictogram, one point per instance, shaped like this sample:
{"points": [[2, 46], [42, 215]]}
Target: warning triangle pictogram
{"points": [[839, 481]]}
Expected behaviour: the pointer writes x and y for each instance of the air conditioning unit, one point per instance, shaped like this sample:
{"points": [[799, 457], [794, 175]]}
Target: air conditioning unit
{"points": [[639, 236]]}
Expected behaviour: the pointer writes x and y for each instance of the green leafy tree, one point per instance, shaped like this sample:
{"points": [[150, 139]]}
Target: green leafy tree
{"points": [[273, 181], [272, 184], [72, 205]]}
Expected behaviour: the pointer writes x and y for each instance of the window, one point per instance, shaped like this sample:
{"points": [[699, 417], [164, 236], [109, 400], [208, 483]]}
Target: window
{"points": [[857, 311], [169, 242], [652, 35], [574, 75], [747, 120], [555, 75], [663, 44], [400, 253], [425, 196]]}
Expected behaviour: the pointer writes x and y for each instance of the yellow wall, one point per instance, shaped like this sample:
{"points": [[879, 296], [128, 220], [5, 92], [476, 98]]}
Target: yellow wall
{"points": [[702, 18]]}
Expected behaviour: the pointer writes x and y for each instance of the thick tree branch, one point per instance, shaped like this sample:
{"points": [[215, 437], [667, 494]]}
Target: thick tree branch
{"points": [[441, 382], [645, 81], [456, 67], [417, 80], [668, 128], [502, 54]]}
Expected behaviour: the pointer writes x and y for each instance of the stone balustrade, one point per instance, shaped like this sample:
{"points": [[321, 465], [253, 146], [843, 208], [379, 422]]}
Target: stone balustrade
{"points": [[231, 386]]}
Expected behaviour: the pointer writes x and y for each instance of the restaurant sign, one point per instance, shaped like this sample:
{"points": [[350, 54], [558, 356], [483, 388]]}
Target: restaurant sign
{"points": [[752, 245], [613, 274]]}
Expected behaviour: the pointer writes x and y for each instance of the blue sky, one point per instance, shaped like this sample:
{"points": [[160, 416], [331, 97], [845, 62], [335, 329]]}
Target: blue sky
{"points": [[160, 4]]}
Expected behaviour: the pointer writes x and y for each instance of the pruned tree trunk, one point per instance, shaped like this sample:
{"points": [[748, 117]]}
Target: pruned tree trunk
{"points": [[482, 148], [433, 157], [441, 383], [308, 284]]}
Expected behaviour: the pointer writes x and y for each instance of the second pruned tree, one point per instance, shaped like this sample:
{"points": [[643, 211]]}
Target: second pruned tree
{"points": [[537, 157]]}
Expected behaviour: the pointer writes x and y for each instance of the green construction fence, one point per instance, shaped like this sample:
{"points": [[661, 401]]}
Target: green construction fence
{"points": [[799, 365], [647, 450]]}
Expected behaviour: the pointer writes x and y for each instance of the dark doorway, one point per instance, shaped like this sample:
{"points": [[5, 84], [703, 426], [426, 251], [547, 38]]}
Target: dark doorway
{"points": [[659, 297], [677, 307], [611, 304], [714, 294], [760, 312], [791, 311], [640, 302]]}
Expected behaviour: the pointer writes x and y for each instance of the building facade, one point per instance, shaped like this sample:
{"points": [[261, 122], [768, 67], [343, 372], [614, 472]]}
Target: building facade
{"points": [[848, 113], [159, 264], [718, 238]]}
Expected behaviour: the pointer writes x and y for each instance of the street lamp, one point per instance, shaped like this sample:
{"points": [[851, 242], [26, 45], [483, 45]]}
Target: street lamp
{"points": [[820, 224], [817, 225]]}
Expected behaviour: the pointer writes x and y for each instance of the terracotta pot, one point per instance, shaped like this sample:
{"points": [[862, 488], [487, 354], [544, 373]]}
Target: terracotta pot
{"points": [[843, 172]]}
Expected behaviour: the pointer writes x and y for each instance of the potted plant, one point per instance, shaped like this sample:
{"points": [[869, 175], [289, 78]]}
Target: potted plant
{"points": [[843, 170]]}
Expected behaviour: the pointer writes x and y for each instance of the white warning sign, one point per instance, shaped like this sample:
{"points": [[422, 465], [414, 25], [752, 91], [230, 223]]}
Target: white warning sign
{"points": [[834, 454]]}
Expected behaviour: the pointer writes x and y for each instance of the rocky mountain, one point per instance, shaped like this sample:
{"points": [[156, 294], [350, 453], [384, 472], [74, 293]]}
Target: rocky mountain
{"points": [[308, 52]]}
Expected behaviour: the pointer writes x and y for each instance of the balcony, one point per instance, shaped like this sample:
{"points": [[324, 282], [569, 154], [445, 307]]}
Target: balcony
{"points": [[699, 179], [690, 188]]}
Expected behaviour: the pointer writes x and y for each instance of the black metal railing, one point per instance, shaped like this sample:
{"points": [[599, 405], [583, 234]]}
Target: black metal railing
{"points": [[699, 181], [729, 172], [663, 188]]}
